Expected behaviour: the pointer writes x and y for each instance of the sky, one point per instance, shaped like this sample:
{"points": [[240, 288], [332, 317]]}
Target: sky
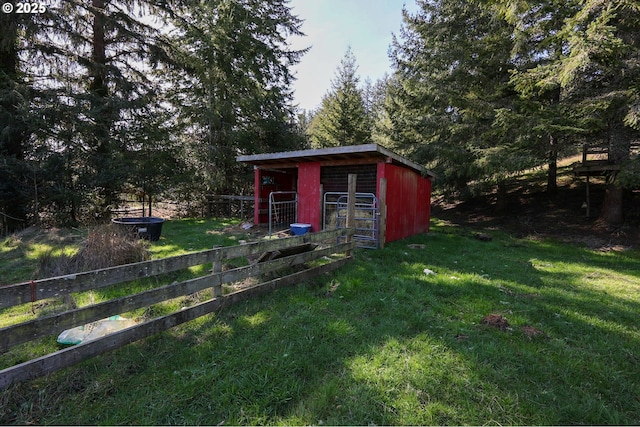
{"points": [[331, 26]]}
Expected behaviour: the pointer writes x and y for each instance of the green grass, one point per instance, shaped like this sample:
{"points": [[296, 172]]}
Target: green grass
{"points": [[381, 342], [19, 253], [19, 259]]}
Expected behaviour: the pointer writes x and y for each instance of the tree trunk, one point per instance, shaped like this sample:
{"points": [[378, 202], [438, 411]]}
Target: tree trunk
{"points": [[14, 172], [619, 149], [552, 174], [98, 85], [502, 198], [612, 209], [103, 113]]}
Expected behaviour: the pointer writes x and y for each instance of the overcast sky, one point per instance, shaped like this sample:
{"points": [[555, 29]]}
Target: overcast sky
{"points": [[333, 25]]}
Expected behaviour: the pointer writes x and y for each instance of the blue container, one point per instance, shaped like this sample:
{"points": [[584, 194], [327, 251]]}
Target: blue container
{"points": [[299, 229], [146, 227]]}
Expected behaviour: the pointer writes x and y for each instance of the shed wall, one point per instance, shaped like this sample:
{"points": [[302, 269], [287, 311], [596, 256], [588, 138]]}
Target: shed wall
{"points": [[309, 197], [408, 193], [408, 201]]}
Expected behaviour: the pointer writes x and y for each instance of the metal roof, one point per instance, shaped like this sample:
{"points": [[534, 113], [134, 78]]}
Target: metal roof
{"points": [[365, 153]]}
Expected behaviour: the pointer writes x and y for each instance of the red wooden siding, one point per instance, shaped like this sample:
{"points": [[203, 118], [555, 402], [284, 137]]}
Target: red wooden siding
{"points": [[256, 195], [408, 201], [309, 197], [408, 193]]}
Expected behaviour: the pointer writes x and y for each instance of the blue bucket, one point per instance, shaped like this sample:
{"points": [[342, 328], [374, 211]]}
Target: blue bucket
{"points": [[299, 229]]}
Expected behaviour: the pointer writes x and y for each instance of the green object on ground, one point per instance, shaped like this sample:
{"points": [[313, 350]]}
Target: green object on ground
{"points": [[94, 330]]}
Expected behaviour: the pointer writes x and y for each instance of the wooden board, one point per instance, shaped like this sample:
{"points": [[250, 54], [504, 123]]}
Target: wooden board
{"points": [[26, 292], [70, 356], [285, 252], [27, 331]]}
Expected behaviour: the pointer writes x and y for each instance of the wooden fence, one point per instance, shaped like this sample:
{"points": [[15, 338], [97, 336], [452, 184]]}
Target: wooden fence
{"points": [[229, 206], [276, 259]]}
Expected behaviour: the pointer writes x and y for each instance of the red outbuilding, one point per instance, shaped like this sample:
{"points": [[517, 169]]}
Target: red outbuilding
{"points": [[310, 187]]}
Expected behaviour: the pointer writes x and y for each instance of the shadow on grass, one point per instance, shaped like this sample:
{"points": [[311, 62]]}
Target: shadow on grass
{"points": [[382, 342]]}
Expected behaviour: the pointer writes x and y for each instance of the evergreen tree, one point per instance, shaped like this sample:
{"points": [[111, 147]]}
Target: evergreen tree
{"points": [[14, 128], [588, 51], [375, 99], [342, 118], [234, 96], [84, 99], [23, 49], [540, 116], [93, 91], [602, 71], [452, 65]]}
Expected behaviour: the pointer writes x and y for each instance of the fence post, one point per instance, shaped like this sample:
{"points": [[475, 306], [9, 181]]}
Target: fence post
{"points": [[27, 331], [217, 268], [321, 207], [351, 206]]}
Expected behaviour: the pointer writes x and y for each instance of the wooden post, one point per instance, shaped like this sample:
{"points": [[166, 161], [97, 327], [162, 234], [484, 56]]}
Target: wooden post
{"points": [[382, 219], [322, 220], [217, 268], [351, 205]]}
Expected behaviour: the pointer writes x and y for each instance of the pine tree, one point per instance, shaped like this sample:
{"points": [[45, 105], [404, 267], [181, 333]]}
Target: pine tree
{"points": [[234, 95], [601, 72], [375, 99], [105, 102], [588, 52], [540, 116], [342, 118], [20, 43], [13, 128], [100, 93], [452, 69]]}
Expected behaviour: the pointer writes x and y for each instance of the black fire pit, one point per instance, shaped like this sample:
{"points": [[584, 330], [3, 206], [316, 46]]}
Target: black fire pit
{"points": [[145, 227]]}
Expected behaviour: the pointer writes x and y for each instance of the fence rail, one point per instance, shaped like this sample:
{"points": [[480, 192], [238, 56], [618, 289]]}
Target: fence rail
{"points": [[28, 292], [229, 205]]}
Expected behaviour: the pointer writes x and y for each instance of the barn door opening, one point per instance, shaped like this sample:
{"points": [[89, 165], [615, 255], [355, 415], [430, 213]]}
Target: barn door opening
{"points": [[367, 220], [283, 210]]}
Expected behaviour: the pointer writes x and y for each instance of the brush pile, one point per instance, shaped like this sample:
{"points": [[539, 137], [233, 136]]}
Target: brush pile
{"points": [[104, 246]]}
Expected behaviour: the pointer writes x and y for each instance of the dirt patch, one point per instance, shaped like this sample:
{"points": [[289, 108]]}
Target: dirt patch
{"points": [[495, 321], [531, 332]]}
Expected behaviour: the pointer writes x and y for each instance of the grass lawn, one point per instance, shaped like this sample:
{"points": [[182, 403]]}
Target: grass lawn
{"points": [[396, 337]]}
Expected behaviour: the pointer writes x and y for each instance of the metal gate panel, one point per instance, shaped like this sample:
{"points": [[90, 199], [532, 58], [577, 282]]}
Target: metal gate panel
{"points": [[283, 210], [367, 215]]}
